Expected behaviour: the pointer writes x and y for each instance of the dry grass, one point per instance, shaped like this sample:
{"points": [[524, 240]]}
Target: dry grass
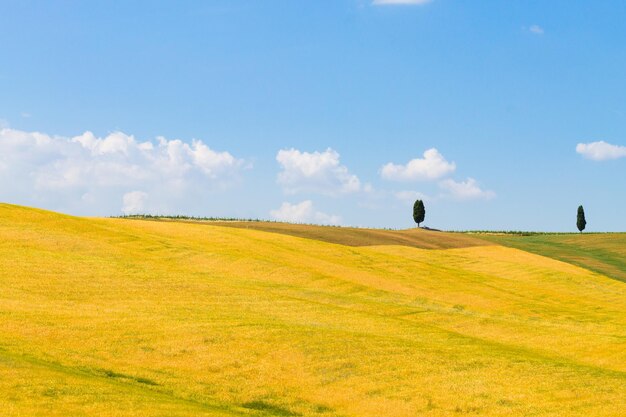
{"points": [[121, 317], [416, 238], [600, 252]]}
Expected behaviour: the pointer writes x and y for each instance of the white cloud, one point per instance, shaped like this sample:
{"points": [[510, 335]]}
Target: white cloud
{"points": [[410, 196], [601, 151], [134, 202], [536, 29], [116, 142], [431, 167], [397, 2], [319, 172], [465, 190], [89, 174], [303, 212]]}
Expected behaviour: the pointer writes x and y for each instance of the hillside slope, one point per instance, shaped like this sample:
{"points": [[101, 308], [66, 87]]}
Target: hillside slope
{"points": [[119, 317], [604, 253], [350, 236]]}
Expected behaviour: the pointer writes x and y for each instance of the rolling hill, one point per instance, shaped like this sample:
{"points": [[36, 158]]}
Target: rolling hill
{"points": [[600, 252], [118, 317]]}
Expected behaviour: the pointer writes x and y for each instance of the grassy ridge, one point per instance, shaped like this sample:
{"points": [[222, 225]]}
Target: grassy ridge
{"points": [[120, 317], [417, 238], [599, 252], [604, 253]]}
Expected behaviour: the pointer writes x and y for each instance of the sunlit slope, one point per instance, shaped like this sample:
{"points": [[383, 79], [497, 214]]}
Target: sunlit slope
{"points": [[604, 253], [601, 252], [120, 317], [350, 236]]}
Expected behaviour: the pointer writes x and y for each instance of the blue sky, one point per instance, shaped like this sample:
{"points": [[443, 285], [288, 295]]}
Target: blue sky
{"points": [[512, 113]]}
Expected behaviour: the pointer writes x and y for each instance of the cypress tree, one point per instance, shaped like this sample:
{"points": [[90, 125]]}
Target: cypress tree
{"points": [[419, 212], [580, 219]]}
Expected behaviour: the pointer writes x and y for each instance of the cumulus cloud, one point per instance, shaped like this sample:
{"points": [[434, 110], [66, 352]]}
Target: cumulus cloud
{"points": [[319, 172], [134, 202], [397, 2], [87, 174], [465, 190], [407, 196], [536, 29], [601, 151], [431, 167], [303, 212]]}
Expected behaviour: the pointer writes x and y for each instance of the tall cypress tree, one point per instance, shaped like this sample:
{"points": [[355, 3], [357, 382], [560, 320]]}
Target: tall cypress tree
{"points": [[580, 219], [419, 212]]}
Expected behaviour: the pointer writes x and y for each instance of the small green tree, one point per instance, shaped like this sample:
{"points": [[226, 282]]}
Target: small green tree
{"points": [[580, 219], [419, 212]]}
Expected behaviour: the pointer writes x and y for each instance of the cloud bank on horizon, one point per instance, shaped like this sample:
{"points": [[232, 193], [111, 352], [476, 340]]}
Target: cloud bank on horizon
{"points": [[129, 176], [121, 174], [303, 212], [88, 171]]}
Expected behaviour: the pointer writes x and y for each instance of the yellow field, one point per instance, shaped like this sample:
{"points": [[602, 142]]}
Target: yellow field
{"points": [[350, 236], [115, 317]]}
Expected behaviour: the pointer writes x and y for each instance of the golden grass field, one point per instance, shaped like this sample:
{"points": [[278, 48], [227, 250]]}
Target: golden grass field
{"points": [[603, 253], [118, 317]]}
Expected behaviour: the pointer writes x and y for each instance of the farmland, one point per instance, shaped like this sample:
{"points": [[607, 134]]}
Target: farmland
{"points": [[118, 317], [603, 253]]}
